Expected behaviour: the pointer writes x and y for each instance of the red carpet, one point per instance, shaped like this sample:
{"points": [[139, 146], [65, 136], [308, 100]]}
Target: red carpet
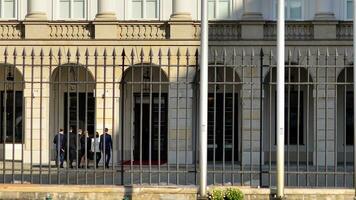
{"points": [[144, 162]]}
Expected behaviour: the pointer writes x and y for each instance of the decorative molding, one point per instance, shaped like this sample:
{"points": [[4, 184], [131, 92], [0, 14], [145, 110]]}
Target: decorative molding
{"points": [[344, 31], [10, 31], [69, 31], [143, 31], [294, 31]]}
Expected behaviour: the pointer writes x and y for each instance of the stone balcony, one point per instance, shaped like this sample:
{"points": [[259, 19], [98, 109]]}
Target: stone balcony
{"points": [[166, 30]]}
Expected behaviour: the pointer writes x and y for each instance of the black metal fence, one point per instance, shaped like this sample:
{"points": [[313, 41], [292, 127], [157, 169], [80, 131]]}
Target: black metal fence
{"points": [[130, 117]]}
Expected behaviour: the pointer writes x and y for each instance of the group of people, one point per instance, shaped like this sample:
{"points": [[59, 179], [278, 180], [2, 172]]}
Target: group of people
{"points": [[76, 146]]}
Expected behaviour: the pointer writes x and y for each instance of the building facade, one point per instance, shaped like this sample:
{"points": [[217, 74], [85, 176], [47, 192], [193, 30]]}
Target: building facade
{"points": [[131, 66]]}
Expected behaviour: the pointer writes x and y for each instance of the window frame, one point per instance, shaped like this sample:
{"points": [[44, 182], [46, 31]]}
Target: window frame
{"points": [[144, 12], [57, 6], [345, 11], [217, 11], [287, 14], [16, 3]]}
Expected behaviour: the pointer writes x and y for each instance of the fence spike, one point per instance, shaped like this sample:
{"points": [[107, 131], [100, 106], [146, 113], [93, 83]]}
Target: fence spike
{"points": [[41, 53], [160, 53], [87, 52], [169, 53], [77, 53], [105, 53], [23, 52], [15, 52], [69, 53], [262, 53], [187, 53], [142, 54], [96, 52], [178, 52], [123, 53], [132, 54], [6, 53], [50, 54], [33, 52], [113, 54], [150, 54], [196, 53], [336, 53]]}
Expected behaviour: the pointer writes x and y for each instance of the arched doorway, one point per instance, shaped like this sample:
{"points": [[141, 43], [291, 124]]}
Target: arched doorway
{"points": [[223, 114], [299, 109], [345, 116], [72, 99], [11, 107], [145, 114]]}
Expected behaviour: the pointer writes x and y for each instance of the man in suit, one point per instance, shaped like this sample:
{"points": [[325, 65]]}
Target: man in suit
{"points": [[70, 140], [59, 145], [105, 146]]}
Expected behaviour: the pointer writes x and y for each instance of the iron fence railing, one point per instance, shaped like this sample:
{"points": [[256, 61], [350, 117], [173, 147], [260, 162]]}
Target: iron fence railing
{"points": [[130, 117]]}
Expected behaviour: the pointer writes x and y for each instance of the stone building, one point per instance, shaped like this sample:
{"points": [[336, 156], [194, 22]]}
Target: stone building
{"points": [[131, 66]]}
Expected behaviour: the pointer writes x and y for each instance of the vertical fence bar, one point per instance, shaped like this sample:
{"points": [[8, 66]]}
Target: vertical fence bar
{"points": [[203, 126], [354, 87], [280, 99], [261, 115]]}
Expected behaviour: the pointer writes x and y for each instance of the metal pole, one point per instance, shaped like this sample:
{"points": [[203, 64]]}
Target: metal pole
{"points": [[354, 73], [203, 110], [280, 99]]}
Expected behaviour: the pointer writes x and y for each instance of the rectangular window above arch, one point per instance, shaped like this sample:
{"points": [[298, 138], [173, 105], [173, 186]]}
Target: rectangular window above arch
{"points": [[219, 9], [294, 9], [8, 9], [145, 9], [349, 13], [72, 9]]}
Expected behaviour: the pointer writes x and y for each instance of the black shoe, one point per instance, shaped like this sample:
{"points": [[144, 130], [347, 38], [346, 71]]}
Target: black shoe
{"points": [[61, 166]]}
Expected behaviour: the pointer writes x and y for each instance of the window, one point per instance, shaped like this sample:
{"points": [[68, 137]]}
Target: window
{"points": [[349, 9], [8, 9], [147, 9], [72, 9], [12, 120], [219, 9], [293, 9], [349, 118]]}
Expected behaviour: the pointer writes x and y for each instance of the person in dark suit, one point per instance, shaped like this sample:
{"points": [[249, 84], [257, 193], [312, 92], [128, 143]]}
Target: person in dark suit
{"points": [[105, 146], [70, 140], [58, 141], [85, 145]]}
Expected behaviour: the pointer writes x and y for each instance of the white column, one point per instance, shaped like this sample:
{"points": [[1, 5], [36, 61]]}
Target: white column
{"points": [[252, 10], [324, 10], [36, 10], [106, 10], [181, 10]]}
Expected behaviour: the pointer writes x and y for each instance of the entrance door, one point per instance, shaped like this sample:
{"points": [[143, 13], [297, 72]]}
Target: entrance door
{"points": [[12, 120], [218, 125], [150, 120], [81, 109]]}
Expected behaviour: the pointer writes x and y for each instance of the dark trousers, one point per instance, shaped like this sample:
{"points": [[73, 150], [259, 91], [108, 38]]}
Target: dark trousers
{"points": [[107, 156], [59, 157], [97, 157]]}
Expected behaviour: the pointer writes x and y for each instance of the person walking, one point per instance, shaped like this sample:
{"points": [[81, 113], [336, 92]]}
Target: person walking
{"points": [[85, 145], [95, 143], [105, 146], [70, 141], [59, 145]]}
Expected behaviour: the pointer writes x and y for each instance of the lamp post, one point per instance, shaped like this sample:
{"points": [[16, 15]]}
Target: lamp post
{"points": [[280, 99], [203, 122]]}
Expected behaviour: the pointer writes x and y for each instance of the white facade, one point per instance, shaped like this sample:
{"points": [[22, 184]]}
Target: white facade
{"points": [[162, 9]]}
